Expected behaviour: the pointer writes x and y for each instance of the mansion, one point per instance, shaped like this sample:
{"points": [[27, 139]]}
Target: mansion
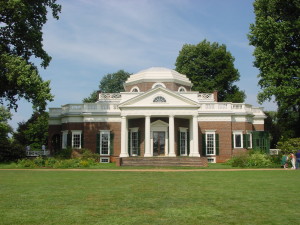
{"points": [[158, 115]]}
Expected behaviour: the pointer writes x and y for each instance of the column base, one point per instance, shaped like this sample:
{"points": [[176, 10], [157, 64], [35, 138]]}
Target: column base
{"points": [[123, 155], [194, 155], [147, 155], [171, 155]]}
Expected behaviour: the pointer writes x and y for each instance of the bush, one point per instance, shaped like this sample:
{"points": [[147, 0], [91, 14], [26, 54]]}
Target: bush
{"points": [[11, 152], [251, 159], [64, 153]]}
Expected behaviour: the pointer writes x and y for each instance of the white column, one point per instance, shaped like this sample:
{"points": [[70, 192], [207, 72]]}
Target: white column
{"points": [[191, 138], [124, 137], [147, 137], [171, 136], [195, 137]]}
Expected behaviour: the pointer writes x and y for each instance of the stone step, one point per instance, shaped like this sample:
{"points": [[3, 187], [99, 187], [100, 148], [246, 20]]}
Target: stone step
{"points": [[164, 161]]}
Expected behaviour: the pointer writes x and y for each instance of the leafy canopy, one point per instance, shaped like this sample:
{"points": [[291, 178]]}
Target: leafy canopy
{"points": [[110, 83], [21, 36], [210, 67], [276, 38]]}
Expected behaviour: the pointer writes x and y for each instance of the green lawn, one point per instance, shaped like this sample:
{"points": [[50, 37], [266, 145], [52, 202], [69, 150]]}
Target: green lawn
{"points": [[214, 197]]}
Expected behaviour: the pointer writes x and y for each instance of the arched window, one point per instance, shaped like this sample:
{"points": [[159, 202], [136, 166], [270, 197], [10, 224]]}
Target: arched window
{"points": [[181, 89], [159, 99], [135, 89], [156, 85]]}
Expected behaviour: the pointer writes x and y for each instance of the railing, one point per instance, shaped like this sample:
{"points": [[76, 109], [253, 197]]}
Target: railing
{"points": [[37, 153], [110, 96], [205, 97], [89, 108], [228, 106]]}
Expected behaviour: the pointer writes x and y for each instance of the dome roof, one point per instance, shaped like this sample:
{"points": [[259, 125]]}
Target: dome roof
{"points": [[158, 74]]}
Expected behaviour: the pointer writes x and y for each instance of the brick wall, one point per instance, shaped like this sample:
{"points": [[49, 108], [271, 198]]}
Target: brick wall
{"points": [[148, 85]]}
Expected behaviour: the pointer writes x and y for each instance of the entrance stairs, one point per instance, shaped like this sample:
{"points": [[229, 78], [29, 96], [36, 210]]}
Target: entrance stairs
{"points": [[164, 161]]}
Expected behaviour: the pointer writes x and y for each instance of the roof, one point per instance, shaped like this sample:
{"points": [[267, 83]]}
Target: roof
{"points": [[158, 74]]}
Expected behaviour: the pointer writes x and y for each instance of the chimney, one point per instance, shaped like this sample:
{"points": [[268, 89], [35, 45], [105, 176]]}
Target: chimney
{"points": [[215, 95]]}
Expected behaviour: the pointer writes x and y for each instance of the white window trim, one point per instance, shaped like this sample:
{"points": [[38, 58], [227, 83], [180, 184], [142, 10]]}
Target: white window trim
{"points": [[250, 135], [64, 143], [162, 84], [237, 133], [135, 87], [183, 130], [181, 87], [105, 132], [104, 160], [133, 130], [211, 159], [206, 139], [76, 132]]}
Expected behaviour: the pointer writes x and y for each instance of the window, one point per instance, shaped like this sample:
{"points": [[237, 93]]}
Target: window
{"points": [[210, 143], [181, 89], [76, 139], [134, 142], [64, 143], [104, 160], [183, 141], [237, 139], [211, 159], [159, 99], [135, 89], [104, 142], [156, 85]]}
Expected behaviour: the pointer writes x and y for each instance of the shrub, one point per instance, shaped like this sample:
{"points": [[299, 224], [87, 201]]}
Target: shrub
{"points": [[251, 159], [64, 153], [12, 152]]}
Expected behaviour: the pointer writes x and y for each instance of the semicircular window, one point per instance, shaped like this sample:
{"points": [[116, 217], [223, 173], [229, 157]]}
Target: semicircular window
{"points": [[159, 99]]}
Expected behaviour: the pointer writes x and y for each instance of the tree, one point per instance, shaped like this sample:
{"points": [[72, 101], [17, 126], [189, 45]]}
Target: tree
{"points": [[210, 67], [33, 132], [276, 38], [21, 39], [8, 150], [110, 83]]}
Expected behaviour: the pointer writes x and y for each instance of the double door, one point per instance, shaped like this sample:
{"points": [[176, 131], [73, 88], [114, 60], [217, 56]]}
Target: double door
{"points": [[159, 139]]}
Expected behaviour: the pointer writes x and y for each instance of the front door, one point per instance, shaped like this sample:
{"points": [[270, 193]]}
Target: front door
{"points": [[158, 143]]}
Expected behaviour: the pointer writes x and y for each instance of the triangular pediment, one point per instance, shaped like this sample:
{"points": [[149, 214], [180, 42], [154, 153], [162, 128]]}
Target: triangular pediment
{"points": [[159, 97]]}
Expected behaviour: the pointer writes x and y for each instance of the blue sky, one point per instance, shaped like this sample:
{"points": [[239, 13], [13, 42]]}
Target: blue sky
{"points": [[96, 37]]}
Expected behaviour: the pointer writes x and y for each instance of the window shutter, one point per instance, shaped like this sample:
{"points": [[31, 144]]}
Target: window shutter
{"points": [[232, 141], [82, 140], [111, 145], [178, 143], [217, 144], [129, 144], [98, 143], [188, 143], [245, 145], [69, 140], [203, 145], [139, 142], [61, 141]]}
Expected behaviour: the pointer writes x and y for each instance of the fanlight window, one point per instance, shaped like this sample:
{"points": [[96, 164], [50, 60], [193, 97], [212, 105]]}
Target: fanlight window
{"points": [[181, 89], [135, 90], [159, 99], [156, 85]]}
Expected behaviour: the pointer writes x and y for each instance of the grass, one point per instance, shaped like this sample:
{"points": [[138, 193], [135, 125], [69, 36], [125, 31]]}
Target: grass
{"points": [[14, 165], [90, 197]]}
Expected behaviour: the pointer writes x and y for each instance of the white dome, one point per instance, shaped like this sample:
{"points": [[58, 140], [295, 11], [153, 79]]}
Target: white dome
{"points": [[158, 74]]}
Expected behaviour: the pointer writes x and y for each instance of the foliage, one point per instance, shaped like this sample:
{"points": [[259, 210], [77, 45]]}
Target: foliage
{"points": [[64, 153], [255, 158], [33, 132], [275, 36], [110, 83], [21, 39], [291, 145], [210, 67], [9, 151], [272, 126]]}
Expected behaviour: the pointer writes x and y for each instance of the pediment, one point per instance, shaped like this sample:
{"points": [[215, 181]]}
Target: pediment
{"points": [[159, 97]]}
